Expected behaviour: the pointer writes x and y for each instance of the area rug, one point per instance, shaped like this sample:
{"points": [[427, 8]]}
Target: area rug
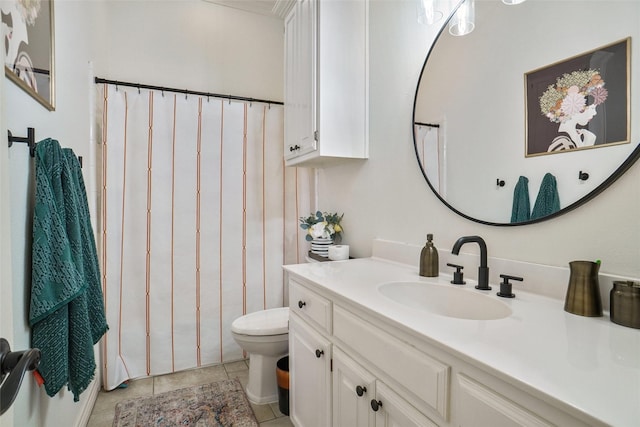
{"points": [[222, 403]]}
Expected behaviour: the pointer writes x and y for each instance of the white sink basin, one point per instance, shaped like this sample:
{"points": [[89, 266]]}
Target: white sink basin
{"points": [[449, 301]]}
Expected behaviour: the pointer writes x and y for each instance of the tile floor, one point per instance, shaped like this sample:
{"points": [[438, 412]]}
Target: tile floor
{"points": [[104, 409]]}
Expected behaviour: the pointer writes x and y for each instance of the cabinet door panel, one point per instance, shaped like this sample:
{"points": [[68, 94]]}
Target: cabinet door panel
{"points": [[396, 412], [300, 79], [349, 380], [309, 374], [481, 406]]}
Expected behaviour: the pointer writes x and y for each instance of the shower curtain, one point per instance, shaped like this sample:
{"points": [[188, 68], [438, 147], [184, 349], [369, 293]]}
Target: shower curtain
{"points": [[198, 214]]}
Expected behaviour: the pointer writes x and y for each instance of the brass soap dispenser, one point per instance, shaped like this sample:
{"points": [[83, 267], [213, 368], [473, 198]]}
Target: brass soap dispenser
{"points": [[429, 259]]}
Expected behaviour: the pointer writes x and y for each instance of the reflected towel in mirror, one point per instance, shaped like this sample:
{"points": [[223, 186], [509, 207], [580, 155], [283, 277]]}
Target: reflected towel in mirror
{"points": [[521, 209], [548, 201]]}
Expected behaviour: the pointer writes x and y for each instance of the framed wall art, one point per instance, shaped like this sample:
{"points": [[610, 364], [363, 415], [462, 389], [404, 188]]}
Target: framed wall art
{"points": [[28, 30], [579, 103]]}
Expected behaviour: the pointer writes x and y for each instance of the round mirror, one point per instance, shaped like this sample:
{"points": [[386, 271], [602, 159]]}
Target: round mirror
{"points": [[529, 115]]}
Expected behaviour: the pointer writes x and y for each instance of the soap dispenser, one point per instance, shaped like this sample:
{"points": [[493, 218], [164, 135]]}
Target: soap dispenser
{"points": [[429, 259]]}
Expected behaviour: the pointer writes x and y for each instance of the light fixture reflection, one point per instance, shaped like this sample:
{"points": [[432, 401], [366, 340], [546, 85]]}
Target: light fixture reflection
{"points": [[463, 22], [427, 13], [510, 2]]}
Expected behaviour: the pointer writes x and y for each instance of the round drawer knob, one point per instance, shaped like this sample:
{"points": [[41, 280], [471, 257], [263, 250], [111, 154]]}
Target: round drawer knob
{"points": [[319, 353], [361, 390], [301, 304], [375, 405]]}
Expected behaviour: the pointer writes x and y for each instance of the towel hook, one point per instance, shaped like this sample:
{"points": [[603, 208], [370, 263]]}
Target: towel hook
{"points": [[30, 140], [583, 176]]}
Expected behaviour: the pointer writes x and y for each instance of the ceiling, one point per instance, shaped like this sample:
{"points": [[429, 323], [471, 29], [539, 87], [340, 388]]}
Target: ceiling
{"points": [[273, 8]]}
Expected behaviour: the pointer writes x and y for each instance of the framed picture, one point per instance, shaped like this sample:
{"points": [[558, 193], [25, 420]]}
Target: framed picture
{"points": [[27, 27], [579, 103]]}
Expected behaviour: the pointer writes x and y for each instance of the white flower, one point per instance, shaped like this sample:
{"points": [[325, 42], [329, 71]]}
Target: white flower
{"points": [[319, 230], [574, 102]]}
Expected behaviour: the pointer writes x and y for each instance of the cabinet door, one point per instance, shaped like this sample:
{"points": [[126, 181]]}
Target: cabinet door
{"points": [[353, 389], [300, 79], [309, 374], [393, 411]]}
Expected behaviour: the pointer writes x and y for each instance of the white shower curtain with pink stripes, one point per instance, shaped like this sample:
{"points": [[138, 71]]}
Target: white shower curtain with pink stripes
{"points": [[198, 214]]}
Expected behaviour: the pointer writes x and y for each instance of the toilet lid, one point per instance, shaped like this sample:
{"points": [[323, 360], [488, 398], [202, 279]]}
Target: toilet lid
{"points": [[274, 321]]}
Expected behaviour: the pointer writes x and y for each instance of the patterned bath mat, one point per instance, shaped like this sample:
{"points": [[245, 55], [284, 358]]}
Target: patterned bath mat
{"points": [[222, 403]]}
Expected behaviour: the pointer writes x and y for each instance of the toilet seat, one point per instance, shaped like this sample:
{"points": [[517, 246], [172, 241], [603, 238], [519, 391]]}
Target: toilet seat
{"points": [[274, 321]]}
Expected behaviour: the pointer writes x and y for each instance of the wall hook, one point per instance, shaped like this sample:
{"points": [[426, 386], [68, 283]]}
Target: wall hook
{"points": [[30, 140], [583, 176], [500, 182]]}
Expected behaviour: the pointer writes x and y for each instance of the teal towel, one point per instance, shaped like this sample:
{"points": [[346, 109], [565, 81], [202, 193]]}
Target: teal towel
{"points": [[521, 205], [548, 201], [67, 308]]}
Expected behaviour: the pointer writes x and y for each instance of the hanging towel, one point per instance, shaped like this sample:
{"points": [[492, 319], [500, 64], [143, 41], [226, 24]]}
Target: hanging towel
{"points": [[521, 209], [67, 309], [547, 201]]}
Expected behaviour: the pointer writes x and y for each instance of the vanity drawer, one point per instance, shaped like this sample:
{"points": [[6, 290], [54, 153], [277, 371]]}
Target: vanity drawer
{"points": [[424, 379], [480, 405], [310, 306]]}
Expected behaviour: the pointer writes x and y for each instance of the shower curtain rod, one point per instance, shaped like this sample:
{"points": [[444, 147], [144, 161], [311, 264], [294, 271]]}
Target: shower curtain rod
{"points": [[186, 92]]}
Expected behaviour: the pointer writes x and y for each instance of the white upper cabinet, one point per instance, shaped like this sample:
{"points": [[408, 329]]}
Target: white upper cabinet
{"points": [[326, 82]]}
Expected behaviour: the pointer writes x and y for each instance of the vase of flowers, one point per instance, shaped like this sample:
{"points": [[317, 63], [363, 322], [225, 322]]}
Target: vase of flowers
{"points": [[323, 229]]}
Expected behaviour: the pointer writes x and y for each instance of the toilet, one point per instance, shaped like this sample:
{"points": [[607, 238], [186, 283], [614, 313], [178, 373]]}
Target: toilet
{"points": [[265, 336]]}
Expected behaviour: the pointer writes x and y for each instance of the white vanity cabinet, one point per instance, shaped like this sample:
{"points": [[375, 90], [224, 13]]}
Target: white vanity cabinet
{"points": [[386, 385], [539, 366], [326, 82], [352, 367], [310, 353]]}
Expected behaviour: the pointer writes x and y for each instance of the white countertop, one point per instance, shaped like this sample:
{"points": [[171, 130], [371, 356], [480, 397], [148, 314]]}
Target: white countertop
{"points": [[590, 364]]}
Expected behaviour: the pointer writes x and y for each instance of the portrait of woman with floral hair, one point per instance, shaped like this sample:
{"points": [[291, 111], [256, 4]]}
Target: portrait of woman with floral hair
{"points": [[572, 101], [579, 103]]}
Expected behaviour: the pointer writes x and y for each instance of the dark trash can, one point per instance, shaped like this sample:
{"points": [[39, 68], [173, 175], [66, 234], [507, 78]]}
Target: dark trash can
{"points": [[282, 375]]}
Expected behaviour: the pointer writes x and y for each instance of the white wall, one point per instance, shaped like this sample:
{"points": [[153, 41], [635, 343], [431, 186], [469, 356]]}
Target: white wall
{"points": [[177, 43], [193, 44], [386, 197]]}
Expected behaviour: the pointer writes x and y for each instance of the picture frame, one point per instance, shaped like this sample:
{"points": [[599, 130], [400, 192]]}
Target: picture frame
{"points": [[28, 30], [579, 103]]}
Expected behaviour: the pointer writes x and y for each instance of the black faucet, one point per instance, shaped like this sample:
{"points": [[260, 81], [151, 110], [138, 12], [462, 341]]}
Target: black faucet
{"points": [[483, 270]]}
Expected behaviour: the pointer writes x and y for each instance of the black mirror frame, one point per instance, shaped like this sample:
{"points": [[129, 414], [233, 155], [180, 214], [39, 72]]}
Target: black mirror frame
{"points": [[635, 154]]}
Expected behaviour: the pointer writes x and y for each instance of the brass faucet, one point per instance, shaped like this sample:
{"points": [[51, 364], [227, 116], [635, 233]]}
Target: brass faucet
{"points": [[483, 269]]}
